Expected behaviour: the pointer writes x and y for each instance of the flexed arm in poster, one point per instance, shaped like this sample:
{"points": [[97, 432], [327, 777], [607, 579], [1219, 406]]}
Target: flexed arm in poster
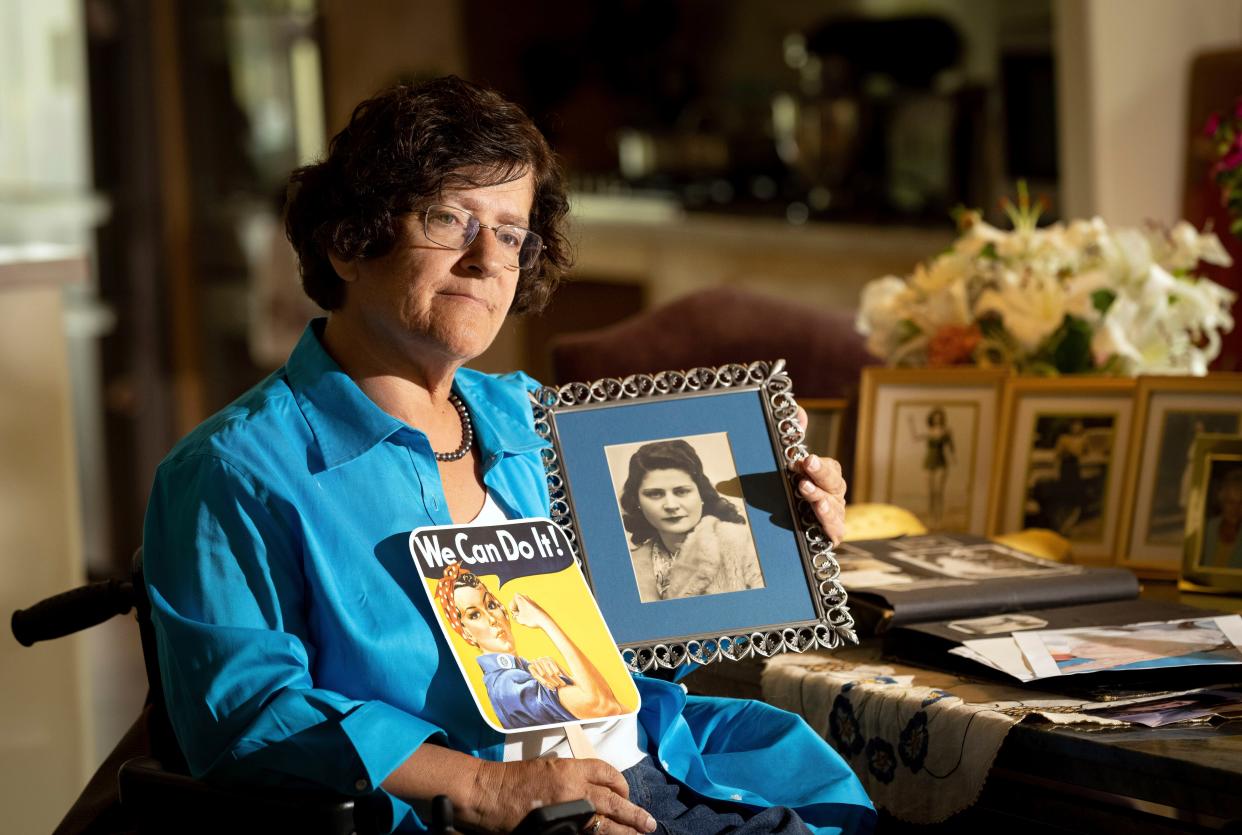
{"points": [[524, 693], [587, 694]]}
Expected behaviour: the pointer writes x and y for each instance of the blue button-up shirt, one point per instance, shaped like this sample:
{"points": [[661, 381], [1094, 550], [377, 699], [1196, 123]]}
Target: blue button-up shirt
{"points": [[295, 639]]}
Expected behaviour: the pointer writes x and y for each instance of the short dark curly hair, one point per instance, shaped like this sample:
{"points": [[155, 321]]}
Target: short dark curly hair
{"points": [[401, 149], [675, 454]]}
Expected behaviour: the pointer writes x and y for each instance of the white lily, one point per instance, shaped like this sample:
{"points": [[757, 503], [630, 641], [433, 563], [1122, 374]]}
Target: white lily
{"points": [[1162, 319], [1031, 309], [1127, 253], [885, 303], [945, 307], [1131, 332], [1183, 246]]}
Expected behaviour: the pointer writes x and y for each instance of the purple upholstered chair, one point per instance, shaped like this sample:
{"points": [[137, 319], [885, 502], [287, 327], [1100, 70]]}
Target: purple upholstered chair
{"points": [[721, 325]]}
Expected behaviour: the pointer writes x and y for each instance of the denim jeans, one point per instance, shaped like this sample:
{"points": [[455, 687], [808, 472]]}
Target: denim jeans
{"points": [[679, 811]]}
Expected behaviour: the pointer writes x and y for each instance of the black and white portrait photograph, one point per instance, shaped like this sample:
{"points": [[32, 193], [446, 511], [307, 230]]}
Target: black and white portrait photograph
{"points": [[681, 504], [1064, 444], [1068, 468], [1222, 514]]}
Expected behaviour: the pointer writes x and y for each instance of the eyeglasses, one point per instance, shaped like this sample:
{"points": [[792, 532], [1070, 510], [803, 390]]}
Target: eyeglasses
{"points": [[456, 229]]}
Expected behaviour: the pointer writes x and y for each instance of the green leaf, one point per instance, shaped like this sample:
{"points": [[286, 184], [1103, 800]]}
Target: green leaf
{"points": [[989, 252], [1114, 366], [1103, 299], [907, 330], [1040, 368], [1071, 346]]}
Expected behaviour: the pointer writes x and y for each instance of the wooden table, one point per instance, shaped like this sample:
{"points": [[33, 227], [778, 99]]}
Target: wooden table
{"points": [[1061, 779]]}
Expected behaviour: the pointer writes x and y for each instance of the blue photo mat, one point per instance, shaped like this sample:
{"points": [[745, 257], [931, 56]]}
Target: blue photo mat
{"points": [[583, 435]]}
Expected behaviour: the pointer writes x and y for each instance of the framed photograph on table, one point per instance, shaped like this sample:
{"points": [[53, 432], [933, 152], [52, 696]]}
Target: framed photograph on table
{"points": [[1169, 413], [1061, 461], [1212, 556], [823, 430], [925, 443], [675, 491]]}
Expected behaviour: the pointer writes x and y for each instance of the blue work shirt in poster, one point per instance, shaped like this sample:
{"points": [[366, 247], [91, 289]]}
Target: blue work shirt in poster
{"points": [[519, 699], [296, 641]]}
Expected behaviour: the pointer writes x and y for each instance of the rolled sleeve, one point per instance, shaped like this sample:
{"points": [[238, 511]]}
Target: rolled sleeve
{"points": [[227, 598]]}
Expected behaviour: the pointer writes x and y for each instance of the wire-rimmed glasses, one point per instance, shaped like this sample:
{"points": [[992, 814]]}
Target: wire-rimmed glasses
{"points": [[456, 228]]}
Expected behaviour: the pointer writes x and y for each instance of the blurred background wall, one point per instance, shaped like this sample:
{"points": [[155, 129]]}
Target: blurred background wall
{"points": [[798, 149]]}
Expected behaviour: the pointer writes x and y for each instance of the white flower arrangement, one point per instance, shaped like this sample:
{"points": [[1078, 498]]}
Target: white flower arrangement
{"points": [[1076, 298]]}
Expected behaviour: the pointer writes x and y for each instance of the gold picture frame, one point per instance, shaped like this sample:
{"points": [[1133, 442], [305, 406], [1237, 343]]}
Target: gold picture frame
{"points": [[823, 430], [1072, 486], [1168, 413], [936, 466], [1217, 482]]}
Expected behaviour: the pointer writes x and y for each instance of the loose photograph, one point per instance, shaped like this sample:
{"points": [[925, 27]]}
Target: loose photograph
{"points": [[1133, 646], [1069, 465], [1181, 707], [681, 505], [998, 624]]}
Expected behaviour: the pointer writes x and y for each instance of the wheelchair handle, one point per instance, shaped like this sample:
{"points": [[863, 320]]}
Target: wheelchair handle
{"points": [[72, 611]]}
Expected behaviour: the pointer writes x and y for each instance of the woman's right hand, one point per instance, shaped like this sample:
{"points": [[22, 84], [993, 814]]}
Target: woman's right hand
{"points": [[529, 613], [506, 792]]}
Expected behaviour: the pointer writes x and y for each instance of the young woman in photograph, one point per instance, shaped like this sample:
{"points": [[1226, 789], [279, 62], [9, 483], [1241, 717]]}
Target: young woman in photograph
{"points": [[936, 460], [687, 539]]}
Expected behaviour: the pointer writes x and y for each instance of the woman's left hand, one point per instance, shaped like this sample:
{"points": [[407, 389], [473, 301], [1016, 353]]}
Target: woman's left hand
{"points": [[824, 487], [547, 672]]}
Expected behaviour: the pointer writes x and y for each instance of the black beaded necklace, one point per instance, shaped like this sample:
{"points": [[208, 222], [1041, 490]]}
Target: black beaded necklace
{"points": [[467, 432]]}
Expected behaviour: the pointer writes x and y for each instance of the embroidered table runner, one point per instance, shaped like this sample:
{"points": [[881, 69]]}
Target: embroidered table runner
{"points": [[921, 741]]}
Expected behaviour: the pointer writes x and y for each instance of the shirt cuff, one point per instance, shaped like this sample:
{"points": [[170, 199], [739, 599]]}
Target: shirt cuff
{"points": [[384, 737]]}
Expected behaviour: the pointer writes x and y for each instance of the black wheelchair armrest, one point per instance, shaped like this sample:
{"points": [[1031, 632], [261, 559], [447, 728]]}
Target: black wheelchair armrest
{"points": [[157, 801]]}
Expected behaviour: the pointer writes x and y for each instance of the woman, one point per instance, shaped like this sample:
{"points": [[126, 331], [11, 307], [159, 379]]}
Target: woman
{"points": [[523, 693], [936, 460], [295, 641], [688, 539]]}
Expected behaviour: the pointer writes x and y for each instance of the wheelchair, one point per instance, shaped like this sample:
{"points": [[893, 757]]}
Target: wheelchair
{"points": [[144, 786]]}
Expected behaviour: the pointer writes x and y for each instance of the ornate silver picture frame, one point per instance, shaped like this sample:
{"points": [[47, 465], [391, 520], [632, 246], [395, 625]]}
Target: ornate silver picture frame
{"points": [[675, 492]]}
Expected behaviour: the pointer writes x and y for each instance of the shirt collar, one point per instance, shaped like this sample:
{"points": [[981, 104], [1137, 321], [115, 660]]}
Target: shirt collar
{"points": [[346, 423], [500, 410], [491, 662]]}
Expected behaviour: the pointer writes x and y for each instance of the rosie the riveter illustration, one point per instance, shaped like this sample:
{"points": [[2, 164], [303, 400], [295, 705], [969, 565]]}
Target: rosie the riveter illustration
{"points": [[525, 693]]}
